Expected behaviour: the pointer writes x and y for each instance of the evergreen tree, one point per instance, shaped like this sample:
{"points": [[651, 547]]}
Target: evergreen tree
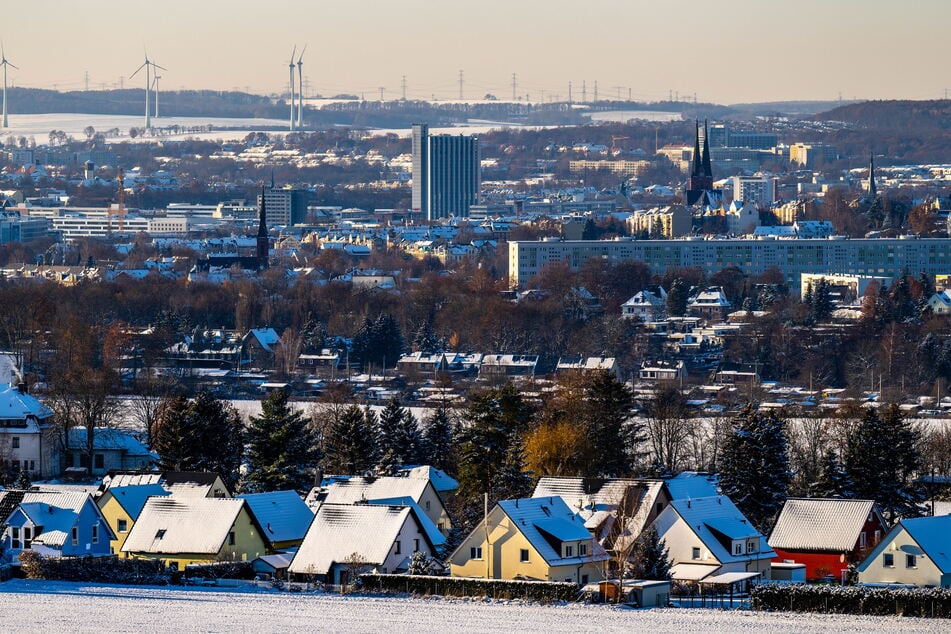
{"points": [[650, 558], [678, 297], [882, 460], [609, 428], [821, 300], [388, 464], [425, 340], [351, 443], [174, 439], [282, 451], [510, 480], [398, 431], [832, 480], [439, 441], [754, 466]]}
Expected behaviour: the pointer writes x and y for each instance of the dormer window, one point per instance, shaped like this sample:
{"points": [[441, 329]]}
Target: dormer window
{"points": [[569, 551], [582, 550], [160, 533]]}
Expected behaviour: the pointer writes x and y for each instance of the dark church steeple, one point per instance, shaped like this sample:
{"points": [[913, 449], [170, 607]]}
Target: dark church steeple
{"points": [[872, 191], [263, 247], [701, 173]]}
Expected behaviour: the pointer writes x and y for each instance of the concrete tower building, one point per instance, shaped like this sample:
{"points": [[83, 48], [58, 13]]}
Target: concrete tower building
{"points": [[446, 173]]}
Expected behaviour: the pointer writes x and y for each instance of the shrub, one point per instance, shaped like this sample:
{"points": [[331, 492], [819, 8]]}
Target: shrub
{"points": [[101, 569], [543, 591], [827, 599]]}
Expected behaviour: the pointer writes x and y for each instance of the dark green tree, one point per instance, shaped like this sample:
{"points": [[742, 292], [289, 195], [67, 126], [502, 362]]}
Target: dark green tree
{"points": [[754, 466], [832, 480], [609, 428], [677, 298], [439, 441], [351, 443], [649, 557], [174, 438], [882, 460], [398, 432], [282, 448]]}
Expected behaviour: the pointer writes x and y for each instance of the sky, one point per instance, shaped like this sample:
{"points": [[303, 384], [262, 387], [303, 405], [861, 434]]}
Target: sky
{"points": [[727, 51]]}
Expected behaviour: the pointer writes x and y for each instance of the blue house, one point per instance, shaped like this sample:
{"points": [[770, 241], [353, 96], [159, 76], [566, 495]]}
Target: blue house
{"points": [[55, 524]]}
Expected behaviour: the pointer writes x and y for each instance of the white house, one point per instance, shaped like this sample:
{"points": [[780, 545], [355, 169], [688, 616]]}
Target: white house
{"points": [[646, 306], [915, 551], [24, 424]]}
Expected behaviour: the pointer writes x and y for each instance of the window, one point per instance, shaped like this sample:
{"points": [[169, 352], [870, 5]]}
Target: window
{"points": [[523, 555], [888, 560], [416, 545], [569, 551], [582, 550], [862, 539], [15, 537], [752, 546], [16, 442], [160, 533], [75, 535], [428, 503], [584, 580], [27, 536], [95, 533], [475, 552], [695, 553], [173, 565], [396, 547], [100, 461], [231, 538], [737, 549], [122, 526], [911, 561]]}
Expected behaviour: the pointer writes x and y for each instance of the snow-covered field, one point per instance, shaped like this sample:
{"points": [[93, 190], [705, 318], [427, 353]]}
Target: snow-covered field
{"points": [[42, 606]]}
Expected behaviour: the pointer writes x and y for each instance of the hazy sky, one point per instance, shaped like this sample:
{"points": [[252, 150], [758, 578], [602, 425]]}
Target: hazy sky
{"points": [[725, 51]]}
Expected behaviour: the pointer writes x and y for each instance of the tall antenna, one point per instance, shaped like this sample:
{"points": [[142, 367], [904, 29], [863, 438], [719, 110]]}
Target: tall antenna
{"points": [[403, 87], [300, 95], [514, 87], [460, 86], [584, 91], [569, 93], [5, 62], [86, 80], [290, 66], [381, 89], [595, 91]]}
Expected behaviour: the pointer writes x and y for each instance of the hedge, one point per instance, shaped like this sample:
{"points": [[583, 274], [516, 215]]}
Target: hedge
{"points": [[829, 599], [543, 591], [220, 570], [101, 569]]}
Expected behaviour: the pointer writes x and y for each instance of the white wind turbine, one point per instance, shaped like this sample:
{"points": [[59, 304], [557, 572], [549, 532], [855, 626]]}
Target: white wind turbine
{"points": [[5, 62], [300, 92], [291, 67], [148, 65], [155, 88]]}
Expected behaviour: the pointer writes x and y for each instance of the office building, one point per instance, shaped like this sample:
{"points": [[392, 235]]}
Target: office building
{"points": [[285, 206], [761, 191], [446, 173]]}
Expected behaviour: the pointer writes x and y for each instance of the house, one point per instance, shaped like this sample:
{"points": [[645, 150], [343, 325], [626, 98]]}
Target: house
{"points": [[272, 566], [536, 539], [24, 442], [55, 524], [421, 363], [692, 484], [348, 539], [710, 304], [260, 345], [826, 534], [708, 537], [389, 489], [662, 371], [282, 515], [112, 449], [587, 365], [193, 530], [121, 507], [441, 481], [646, 306], [504, 365], [615, 511], [940, 303], [915, 551], [181, 483]]}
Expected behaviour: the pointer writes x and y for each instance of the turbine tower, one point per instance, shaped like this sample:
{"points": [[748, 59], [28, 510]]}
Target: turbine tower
{"points": [[300, 92], [149, 66], [155, 88], [4, 62], [291, 67]]}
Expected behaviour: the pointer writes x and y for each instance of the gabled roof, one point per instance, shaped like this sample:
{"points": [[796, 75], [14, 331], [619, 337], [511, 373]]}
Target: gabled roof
{"points": [[9, 500], [440, 480], [106, 438], [820, 524], [282, 515], [717, 522], [932, 534], [545, 522], [181, 483], [340, 531], [172, 525], [267, 338], [56, 513], [691, 484], [133, 498], [351, 490], [16, 406], [431, 530]]}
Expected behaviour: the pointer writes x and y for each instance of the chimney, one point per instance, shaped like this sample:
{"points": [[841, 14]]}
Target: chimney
{"points": [[21, 387]]}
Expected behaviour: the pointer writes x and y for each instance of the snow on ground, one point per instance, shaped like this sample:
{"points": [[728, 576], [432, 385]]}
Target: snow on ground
{"points": [[49, 606]]}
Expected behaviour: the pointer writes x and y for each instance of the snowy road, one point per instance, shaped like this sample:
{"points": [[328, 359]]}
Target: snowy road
{"points": [[38, 606]]}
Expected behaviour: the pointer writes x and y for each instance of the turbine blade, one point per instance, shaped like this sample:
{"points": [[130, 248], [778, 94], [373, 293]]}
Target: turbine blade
{"points": [[154, 65], [138, 69], [294, 52], [301, 58], [9, 64]]}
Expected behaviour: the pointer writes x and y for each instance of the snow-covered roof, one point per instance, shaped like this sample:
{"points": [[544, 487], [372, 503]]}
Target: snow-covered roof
{"points": [[16, 406], [691, 572], [172, 525], [431, 530], [180, 483], [340, 531], [690, 484], [544, 520], [56, 513], [267, 338], [717, 522], [132, 498], [282, 515], [351, 490], [820, 524], [440, 480], [931, 533], [108, 439]]}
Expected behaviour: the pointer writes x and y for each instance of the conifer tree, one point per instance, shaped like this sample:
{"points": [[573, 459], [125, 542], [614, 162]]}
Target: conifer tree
{"points": [[439, 442], [650, 557], [832, 480], [282, 450], [351, 443], [174, 438], [754, 466], [511, 480], [677, 297], [609, 429]]}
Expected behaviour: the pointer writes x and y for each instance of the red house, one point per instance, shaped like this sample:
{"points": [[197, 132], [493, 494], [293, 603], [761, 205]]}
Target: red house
{"points": [[826, 534]]}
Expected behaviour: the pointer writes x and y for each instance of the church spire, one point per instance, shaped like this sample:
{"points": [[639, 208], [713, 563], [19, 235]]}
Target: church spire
{"points": [[696, 149], [707, 167], [872, 189], [262, 243]]}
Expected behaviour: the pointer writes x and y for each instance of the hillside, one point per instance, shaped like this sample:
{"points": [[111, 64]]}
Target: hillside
{"points": [[891, 115]]}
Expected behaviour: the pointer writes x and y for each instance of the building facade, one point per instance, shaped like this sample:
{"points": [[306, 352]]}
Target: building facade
{"points": [[446, 173], [287, 206]]}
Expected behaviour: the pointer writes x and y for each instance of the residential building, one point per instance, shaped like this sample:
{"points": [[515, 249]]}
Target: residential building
{"points": [[660, 370], [621, 168], [710, 304], [538, 539], [844, 289], [587, 365], [508, 365], [761, 191], [864, 256], [708, 536], [940, 303], [446, 173], [826, 534], [812, 155], [345, 540], [181, 531], [915, 551], [113, 449], [285, 206], [55, 524], [24, 430], [646, 305], [121, 507], [283, 517], [180, 483], [673, 221]]}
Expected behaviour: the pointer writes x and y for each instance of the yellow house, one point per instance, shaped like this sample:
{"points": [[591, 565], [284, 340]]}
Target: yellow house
{"points": [[536, 539], [191, 530], [913, 552], [121, 506], [181, 483]]}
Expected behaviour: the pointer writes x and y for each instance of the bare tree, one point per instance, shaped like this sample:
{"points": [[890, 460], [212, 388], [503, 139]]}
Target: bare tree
{"points": [[667, 431], [82, 399]]}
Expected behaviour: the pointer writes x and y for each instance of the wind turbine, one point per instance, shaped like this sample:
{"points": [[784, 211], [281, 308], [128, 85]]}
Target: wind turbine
{"points": [[148, 65], [4, 62], [291, 67], [155, 88], [300, 93]]}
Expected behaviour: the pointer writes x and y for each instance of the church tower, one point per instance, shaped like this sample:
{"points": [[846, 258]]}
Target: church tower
{"points": [[263, 247], [700, 183], [872, 192]]}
